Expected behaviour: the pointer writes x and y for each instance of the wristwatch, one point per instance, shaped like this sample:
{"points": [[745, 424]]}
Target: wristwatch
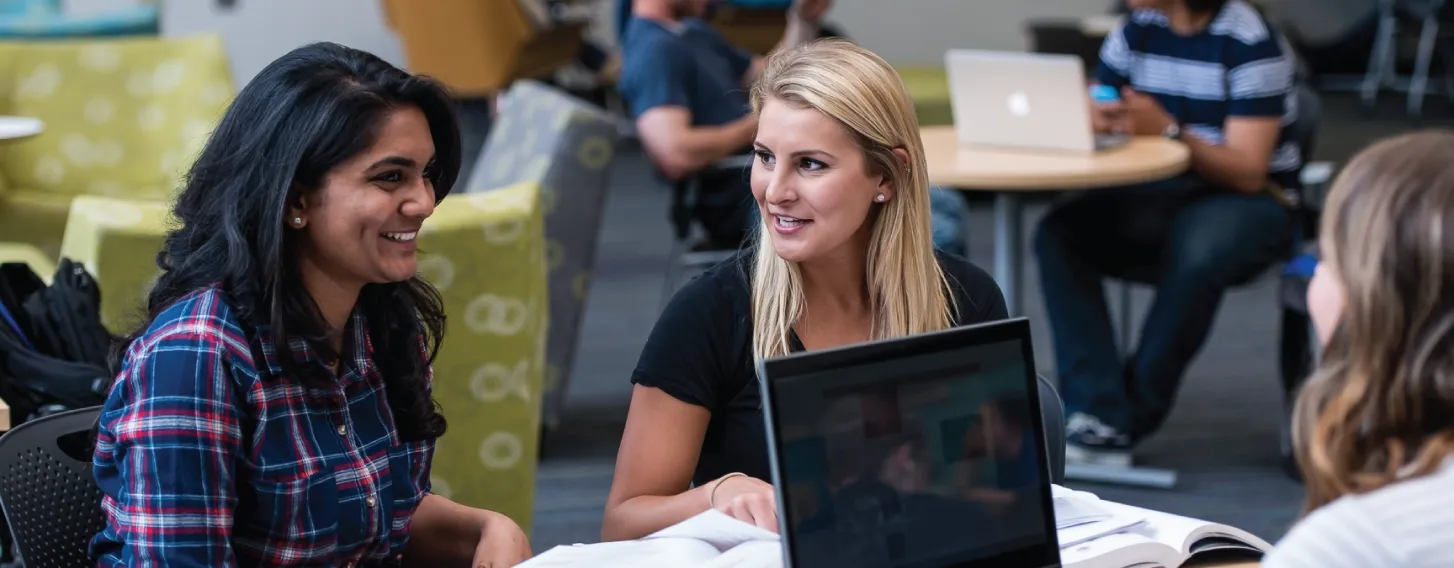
{"points": [[1172, 132]]}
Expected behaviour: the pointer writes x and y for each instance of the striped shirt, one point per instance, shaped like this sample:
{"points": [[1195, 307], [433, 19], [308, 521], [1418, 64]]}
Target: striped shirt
{"points": [[207, 455], [1237, 67], [1409, 524]]}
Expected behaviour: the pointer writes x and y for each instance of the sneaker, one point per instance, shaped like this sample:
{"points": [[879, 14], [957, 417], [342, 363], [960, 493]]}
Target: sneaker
{"points": [[1088, 441]]}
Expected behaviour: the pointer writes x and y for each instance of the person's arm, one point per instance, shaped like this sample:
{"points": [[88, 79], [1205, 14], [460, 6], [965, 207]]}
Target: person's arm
{"points": [[171, 427], [446, 534], [443, 533], [802, 27], [679, 149], [682, 368], [659, 449], [655, 87], [1242, 162], [1259, 81]]}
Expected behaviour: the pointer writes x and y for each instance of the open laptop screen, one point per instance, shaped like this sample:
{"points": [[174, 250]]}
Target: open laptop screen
{"points": [[923, 452]]}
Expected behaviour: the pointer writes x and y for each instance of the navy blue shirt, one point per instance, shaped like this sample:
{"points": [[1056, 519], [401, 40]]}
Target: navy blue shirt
{"points": [[1239, 66], [687, 65]]}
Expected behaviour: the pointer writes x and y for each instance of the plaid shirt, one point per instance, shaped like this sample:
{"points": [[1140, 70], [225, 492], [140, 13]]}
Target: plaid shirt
{"points": [[207, 458]]}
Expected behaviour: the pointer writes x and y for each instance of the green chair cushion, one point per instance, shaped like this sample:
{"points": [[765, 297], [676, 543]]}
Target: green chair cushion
{"points": [[929, 88]]}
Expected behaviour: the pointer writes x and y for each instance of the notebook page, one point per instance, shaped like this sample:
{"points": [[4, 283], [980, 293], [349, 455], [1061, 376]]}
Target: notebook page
{"points": [[663, 552], [717, 529], [757, 554]]}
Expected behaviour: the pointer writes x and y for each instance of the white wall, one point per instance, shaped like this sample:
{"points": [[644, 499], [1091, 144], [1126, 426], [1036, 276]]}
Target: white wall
{"points": [[919, 31], [259, 31], [903, 31]]}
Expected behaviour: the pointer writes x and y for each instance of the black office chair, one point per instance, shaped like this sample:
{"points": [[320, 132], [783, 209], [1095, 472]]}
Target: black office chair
{"points": [[1052, 414], [47, 490], [684, 194]]}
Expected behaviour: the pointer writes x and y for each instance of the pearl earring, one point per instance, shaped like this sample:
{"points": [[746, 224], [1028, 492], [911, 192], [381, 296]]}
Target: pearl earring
{"points": [[297, 221], [880, 198]]}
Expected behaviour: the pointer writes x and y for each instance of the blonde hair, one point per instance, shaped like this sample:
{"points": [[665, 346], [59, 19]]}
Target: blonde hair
{"points": [[908, 292], [1380, 406]]}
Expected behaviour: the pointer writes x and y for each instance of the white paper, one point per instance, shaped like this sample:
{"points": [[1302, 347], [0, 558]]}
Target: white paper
{"points": [[628, 554], [757, 554], [717, 529]]}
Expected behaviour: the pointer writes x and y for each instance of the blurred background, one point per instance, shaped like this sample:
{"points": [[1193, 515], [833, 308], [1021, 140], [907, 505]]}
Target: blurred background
{"points": [[106, 100]]}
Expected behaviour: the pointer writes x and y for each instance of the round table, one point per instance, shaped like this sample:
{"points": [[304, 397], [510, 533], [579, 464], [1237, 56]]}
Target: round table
{"points": [[1010, 173], [19, 127]]}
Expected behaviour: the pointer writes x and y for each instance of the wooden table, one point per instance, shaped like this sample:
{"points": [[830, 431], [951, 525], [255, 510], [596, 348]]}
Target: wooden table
{"points": [[1012, 173]]}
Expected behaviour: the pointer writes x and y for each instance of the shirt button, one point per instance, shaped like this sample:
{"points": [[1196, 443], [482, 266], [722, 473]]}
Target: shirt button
{"points": [[370, 500], [342, 430]]}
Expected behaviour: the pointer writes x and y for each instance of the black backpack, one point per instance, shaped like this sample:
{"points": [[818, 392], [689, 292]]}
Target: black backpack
{"points": [[53, 348]]}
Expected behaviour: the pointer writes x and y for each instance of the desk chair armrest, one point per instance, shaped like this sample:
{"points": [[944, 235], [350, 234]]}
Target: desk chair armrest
{"points": [[1052, 415]]}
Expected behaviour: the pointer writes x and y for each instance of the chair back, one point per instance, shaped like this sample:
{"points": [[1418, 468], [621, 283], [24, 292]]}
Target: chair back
{"points": [[1052, 415], [565, 145], [1304, 129], [47, 490]]}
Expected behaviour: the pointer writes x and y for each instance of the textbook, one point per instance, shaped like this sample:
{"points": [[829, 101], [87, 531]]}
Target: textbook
{"points": [[709, 540], [1093, 533], [1137, 538]]}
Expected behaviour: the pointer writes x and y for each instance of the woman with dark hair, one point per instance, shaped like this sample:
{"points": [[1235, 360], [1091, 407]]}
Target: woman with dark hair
{"points": [[275, 407]]}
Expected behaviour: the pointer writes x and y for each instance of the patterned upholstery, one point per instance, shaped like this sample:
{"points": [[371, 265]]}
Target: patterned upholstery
{"points": [[485, 253], [548, 137], [123, 118], [117, 240], [929, 87]]}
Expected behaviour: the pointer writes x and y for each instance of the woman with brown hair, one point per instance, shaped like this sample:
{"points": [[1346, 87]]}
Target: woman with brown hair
{"points": [[1374, 426]]}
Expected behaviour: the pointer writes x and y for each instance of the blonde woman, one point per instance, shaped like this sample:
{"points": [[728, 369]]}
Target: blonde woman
{"points": [[844, 255], [1374, 426]]}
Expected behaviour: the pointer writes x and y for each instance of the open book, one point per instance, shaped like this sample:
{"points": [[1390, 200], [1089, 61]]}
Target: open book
{"points": [[708, 540], [1133, 537], [1092, 534]]}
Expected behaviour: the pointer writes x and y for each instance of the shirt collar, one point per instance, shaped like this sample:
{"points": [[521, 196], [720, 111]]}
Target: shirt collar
{"points": [[359, 349]]}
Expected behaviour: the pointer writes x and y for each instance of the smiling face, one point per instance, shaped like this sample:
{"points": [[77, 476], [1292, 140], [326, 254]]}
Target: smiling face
{"points": [[359, 228], [812, 184]]}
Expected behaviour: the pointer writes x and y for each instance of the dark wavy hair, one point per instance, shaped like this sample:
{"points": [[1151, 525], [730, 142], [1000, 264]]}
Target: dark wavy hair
{"points": [[304, 114]]}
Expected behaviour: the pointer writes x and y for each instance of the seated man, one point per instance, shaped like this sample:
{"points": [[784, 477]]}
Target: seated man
{"points": [[1215, 75], [687, 87]]}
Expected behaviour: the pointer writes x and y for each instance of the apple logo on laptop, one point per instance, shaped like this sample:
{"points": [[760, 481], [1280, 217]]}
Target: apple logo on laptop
{"points": [[1019, 104]]}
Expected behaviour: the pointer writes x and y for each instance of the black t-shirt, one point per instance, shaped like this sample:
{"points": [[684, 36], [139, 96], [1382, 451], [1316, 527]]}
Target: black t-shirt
{"points": [[701, 353]]}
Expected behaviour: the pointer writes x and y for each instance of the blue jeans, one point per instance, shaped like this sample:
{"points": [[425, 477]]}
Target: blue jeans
{"points": [[1191, 241]]}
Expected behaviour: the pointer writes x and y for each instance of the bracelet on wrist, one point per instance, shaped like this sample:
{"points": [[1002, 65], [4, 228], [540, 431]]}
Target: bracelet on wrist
{"points": [[712, 495]]}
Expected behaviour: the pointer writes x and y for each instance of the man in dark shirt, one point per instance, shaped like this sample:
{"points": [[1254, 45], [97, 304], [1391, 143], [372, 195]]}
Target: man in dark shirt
{"points": [[687, 88]]}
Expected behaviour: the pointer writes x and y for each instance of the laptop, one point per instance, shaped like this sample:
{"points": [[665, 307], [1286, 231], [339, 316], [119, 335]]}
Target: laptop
{"points": [[1018, 100], [925, 452]]}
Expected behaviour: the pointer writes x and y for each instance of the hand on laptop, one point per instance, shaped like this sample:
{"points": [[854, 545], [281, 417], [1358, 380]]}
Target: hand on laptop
{"points": [[749, 500], [1109, 117]]}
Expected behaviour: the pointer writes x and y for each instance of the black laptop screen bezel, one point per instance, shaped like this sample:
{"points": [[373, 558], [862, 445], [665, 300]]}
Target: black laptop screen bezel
{"points": [[1040, 554]]}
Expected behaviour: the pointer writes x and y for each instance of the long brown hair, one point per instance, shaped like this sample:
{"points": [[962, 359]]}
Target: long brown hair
{"points": [[1380, 406], [907, 289]]}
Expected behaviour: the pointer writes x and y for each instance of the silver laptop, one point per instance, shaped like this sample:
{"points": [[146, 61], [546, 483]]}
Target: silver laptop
{"points": [[926, 451], [1022, 100]]}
